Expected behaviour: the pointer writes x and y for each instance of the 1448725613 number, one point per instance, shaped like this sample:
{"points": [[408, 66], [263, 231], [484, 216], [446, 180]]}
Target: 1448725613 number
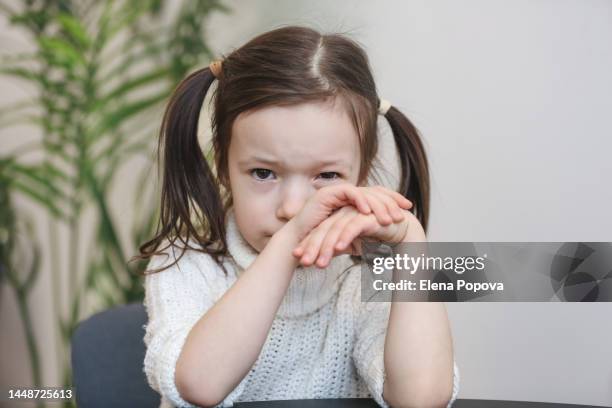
{"points": [[44, 393]]}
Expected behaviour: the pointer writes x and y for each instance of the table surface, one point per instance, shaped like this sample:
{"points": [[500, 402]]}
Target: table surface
{"points": [[370, 403]]}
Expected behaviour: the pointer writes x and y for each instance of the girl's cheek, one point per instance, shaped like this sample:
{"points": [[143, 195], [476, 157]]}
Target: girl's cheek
{"points": [[261, 187], [260, 191], [261, 198], [249, 190]]}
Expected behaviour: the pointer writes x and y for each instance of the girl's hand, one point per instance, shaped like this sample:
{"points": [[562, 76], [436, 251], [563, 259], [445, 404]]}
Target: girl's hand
{"points": [[385, 205], [339, 234]]}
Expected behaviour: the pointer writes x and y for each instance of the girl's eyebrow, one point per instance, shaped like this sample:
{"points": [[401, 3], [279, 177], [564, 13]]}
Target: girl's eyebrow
{"points": [[258, 159], [275, 162]]}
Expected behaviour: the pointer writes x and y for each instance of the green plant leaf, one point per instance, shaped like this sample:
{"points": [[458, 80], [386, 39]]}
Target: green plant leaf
{"points": [[118, 116], [133, 84], [42, 176], [119, 62], [32, 19], [38, 197], [56, 173], [61, 53], [109, 269], [14, 58], [74, 29], [22, 73], [18, 106], [64, 330], [34, 269]]}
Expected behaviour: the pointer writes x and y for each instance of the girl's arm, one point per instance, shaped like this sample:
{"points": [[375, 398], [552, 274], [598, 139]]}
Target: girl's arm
{"points": [[409, 343], [418, 356], [225, 342], [418, 350]]}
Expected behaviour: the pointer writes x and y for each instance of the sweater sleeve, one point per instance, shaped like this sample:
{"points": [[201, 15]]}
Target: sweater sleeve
{"points": [[175, 299], [369, 350]]}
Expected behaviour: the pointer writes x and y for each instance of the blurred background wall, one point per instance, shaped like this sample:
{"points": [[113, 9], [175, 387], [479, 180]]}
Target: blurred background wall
{"points": [[513, 100]]}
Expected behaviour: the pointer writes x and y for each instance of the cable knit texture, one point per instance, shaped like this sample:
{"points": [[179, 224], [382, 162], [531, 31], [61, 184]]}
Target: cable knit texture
{"points": [[324, 342]]}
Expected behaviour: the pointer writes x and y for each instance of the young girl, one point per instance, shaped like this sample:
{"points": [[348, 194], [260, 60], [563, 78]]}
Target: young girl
{"points": [[253, 289]]}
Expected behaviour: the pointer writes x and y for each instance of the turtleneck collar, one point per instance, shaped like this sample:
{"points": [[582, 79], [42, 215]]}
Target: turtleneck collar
{"points": [[310, 287]]}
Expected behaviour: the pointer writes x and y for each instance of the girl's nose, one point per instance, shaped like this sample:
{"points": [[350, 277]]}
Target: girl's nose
{"points": [[289, 209], [291, 204]]}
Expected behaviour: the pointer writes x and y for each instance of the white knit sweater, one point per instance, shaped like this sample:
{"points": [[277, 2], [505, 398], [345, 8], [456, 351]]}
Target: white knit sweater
{"points": [[324, 342]]}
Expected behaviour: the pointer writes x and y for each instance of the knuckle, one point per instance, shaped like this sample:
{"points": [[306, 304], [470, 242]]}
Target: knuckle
{"points": [[315, 239], [351, 228], [375, 202], [345, 210], [327, 247]]}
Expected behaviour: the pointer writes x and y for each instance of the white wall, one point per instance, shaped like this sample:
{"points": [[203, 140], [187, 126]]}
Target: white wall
{"points": [[511, 98]]}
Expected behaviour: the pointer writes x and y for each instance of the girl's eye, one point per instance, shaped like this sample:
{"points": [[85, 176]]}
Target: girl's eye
{"points": [[330, 175], [261, 174]]}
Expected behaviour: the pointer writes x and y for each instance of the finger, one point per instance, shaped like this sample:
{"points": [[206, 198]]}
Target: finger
{"points": [[299, 249], [316, 236], [393, 208], [328, 245], [378, 208], [352, 230], [351, 194], [303, 255], [316, 242], [399, 198]]}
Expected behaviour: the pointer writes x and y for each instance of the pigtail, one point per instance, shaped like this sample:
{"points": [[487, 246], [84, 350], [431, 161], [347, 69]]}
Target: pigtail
{"points": [[189, 189], [414, 178]]}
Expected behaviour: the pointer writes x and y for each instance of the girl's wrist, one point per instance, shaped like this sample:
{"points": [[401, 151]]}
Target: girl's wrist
{"points": [[289, 235], [292, 231], [284, 241], [414, 230]]}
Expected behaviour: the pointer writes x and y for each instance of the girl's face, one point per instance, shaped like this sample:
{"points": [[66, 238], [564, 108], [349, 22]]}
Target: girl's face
{"points": [[279, 156]]}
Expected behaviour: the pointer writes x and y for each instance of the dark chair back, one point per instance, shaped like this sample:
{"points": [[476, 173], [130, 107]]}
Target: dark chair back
{"points": [[107, 360]]}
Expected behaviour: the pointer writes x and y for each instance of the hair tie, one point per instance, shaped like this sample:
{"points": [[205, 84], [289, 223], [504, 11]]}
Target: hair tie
{"points": [[215, 68], [383, 107]]}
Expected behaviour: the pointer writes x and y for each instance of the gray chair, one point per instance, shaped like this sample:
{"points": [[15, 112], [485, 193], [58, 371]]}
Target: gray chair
{"points": [[107, 360]]}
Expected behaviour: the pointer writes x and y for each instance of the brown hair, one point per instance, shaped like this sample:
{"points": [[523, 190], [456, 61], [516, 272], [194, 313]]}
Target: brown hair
{"points": [[286, 66]]}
